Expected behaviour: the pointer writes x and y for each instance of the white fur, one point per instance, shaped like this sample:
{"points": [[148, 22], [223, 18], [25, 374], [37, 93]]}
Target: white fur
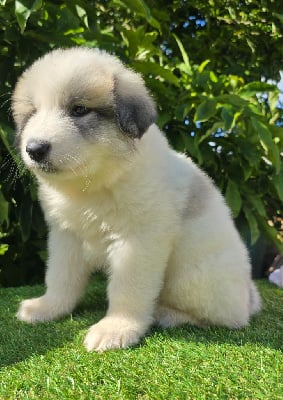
{"points": [[133, 207]]}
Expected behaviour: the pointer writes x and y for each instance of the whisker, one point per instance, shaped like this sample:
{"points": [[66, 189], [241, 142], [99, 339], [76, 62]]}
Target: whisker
{"points": [[11, 170], [80, 169], [7, 160], [2, 104], [6, 94]]}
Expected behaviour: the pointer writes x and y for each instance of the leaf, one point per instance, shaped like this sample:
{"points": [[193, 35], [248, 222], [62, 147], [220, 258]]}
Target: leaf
{"points": [[3, 249], [43, 254], [182, 110], [140, 7], [203, 65], [227, 115], [278, 184], [25, 217], [233, 198], [232, 13], [271, 233], [23, 12], [184, 54], [232, 99], [253, 225], [277, 132], [215, 127], [213, 77], [253, 88], [266, 142], [82, 15], [4, 209], [22, 15], [6, 135], [163, 119], [257, 204], [205, 110], [279, 16], [191, 145], [251, 45], [235, 81], [148, 67], [249, 151]]}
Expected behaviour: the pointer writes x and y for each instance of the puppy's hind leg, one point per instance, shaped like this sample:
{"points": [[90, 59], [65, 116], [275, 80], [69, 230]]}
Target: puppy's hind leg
{"points": [[255, 301], [167, 317]]}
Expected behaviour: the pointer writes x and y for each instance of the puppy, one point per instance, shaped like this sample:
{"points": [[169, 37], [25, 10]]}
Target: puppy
{"points": [[117, 197]]}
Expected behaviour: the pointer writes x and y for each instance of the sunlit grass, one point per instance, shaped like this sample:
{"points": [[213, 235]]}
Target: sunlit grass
{"points": [[48, 361]]}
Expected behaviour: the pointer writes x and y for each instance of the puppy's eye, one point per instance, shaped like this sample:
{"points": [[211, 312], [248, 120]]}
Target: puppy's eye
{"points": [[79, 111]]}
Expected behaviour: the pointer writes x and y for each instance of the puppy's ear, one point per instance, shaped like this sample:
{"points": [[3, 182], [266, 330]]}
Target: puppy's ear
{"points": [[134, 108]]}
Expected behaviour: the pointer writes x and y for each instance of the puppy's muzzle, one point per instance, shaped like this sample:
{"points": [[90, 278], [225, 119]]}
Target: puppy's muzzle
{"points": [[38, 150]]}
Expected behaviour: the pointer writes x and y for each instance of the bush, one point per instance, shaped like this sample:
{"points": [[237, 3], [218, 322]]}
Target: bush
{"points": [[209, 68]]}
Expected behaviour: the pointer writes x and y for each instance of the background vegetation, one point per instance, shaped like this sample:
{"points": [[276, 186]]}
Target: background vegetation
{"points": [[212, 67]]}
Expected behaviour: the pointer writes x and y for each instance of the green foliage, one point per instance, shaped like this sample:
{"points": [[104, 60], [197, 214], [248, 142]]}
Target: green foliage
{"points": [[209, 69]]}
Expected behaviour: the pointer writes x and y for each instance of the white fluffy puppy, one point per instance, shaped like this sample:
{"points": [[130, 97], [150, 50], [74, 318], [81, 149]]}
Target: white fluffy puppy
{"points": [[115, 196]]}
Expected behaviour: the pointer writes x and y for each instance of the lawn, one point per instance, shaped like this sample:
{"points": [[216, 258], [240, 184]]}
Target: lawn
{"points": [[48, 361]]}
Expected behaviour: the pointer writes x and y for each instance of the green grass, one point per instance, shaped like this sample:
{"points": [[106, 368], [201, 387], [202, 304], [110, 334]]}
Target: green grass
{"points": [[48, 361]]}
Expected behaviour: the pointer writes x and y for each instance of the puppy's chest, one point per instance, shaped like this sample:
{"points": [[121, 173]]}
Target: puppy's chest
{"points": [[89, 218]]}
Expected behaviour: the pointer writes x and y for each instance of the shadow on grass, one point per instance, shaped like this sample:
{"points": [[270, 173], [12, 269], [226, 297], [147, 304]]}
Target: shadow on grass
{"points": [[254, 335], [20, 341]]}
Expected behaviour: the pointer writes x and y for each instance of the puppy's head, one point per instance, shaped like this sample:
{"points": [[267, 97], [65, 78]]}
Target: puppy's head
{"points": [[78, 109]]}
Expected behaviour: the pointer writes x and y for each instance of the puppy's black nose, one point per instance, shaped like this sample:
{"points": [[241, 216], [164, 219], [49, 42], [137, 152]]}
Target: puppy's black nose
{"points": [[38, 150]]}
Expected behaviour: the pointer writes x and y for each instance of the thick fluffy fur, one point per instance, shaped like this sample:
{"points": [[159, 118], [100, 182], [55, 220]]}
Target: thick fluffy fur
{"points": [[115, 196]]}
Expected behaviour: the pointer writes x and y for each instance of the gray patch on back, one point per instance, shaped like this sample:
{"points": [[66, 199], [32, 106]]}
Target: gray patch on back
{"points": [[200, 190]]}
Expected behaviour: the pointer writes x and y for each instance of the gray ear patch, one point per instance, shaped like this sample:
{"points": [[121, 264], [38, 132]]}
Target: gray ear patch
{"points": [[135, 112]]}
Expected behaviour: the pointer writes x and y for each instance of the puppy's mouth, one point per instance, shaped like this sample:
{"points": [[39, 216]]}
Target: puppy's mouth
{"points": [[42, 158], [46, 167]]}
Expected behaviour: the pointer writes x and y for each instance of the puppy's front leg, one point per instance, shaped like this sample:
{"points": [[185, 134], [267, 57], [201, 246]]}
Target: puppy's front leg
{"points": [[137, 269], [66, 278]]}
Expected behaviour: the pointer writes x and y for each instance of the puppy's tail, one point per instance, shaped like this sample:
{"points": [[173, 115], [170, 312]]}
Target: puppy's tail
{"points": [[255, 300]]}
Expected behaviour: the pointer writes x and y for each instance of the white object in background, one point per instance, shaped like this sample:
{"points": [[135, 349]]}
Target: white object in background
{"points": [[277, 277]]}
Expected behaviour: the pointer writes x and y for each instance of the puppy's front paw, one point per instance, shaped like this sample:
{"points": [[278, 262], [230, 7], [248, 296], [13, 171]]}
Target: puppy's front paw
{"points": [[112, 333], [34, 310]]}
